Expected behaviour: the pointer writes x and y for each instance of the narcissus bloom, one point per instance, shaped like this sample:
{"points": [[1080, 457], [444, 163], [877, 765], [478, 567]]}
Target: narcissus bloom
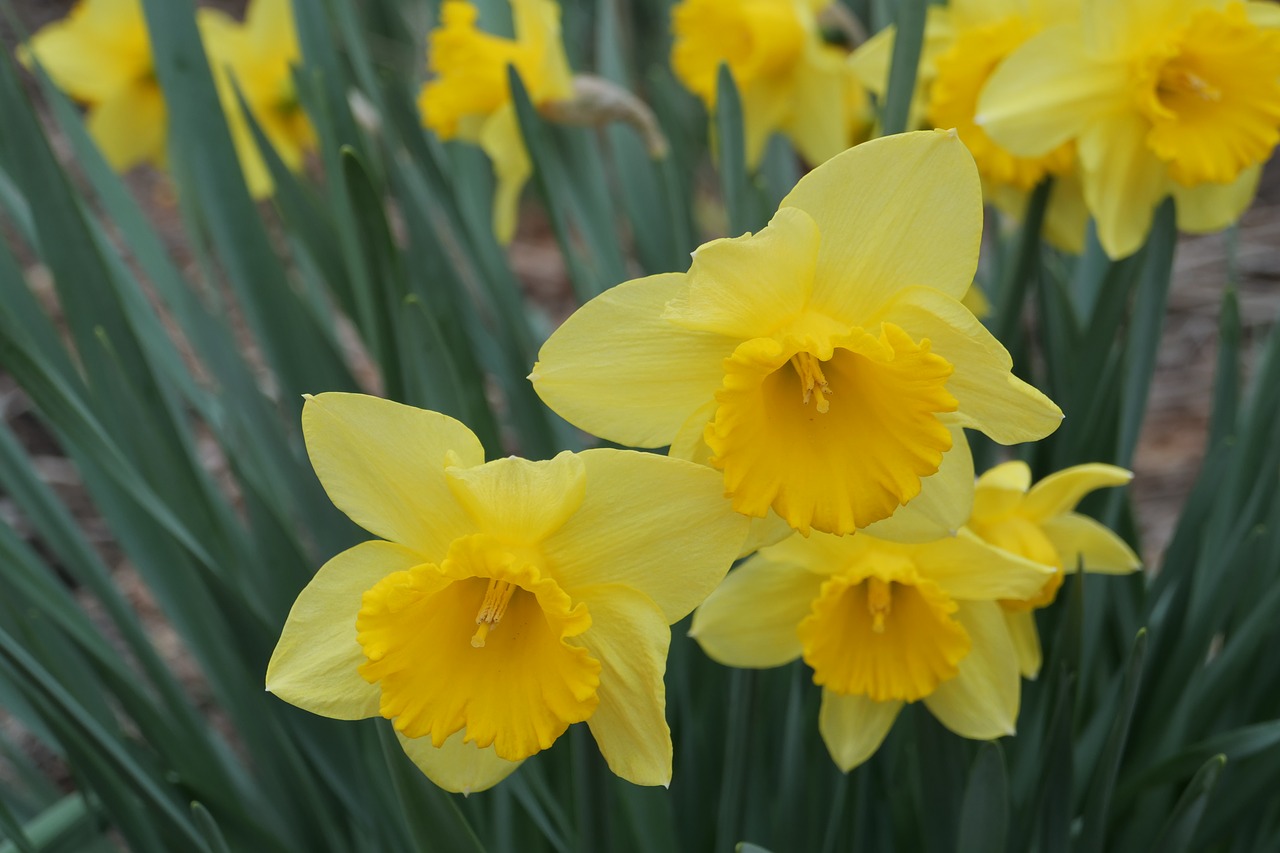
{"points": [[825, 364], [789, 79], [469, 95], [1039, 523], [505, 600], [964, 43], [100, 54], [881, 624], [1162, 97], [259, 55]]}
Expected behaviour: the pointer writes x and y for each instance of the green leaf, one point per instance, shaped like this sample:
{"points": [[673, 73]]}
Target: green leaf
{"points": [[1179, 830], [731, 154], [984, 813], [1098, 803], [908, 44], [431, 815]]}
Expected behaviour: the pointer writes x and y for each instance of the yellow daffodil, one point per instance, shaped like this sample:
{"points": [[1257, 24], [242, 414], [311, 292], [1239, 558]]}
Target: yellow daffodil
{"points": [[789, 79], [881, 624], [1161, 97], [504, 600], [259, 56], [1038, 523], [100, 54], [825, 364], [964, 43], [469, 98]]}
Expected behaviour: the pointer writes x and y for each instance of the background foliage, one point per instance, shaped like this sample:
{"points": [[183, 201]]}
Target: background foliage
{"points": [[1155, 723]]}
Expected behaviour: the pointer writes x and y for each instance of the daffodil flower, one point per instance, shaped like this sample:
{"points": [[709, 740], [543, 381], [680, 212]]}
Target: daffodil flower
{"points": [[789, 79], [881, 624], [964, 43], [504, 600], [825, 364], [469, 96], [1161, 97], [259, 56], [100, 55], [1038, 523]]}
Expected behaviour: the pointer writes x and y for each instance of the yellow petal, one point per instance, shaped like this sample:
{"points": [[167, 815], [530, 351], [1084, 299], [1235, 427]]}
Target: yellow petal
{"points": [[1048, 91], [1026, 640], [943, 504], [457, 766], [750, 286], [967, 568], [100, 49], [1264, 14], [981, 702], [1206, 208], [515, 682], [816, 124], [1113, 28], [129, 126], [270, 28], [750, 620], [991, 398], [519, 500], [689, 443], [501, 139], [853, 727], [315, 665], [870, 62], [618, 370], [382, 463], [1062, 490], [629, 636], [656, 524], [1000, 490], [1124, 181], [537, 27], [915, 219], [1078, 537], [765, 106], [1067, 217]]}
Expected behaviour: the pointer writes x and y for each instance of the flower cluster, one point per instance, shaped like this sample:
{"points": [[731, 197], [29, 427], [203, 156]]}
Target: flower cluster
{"points": [[100, 54]]}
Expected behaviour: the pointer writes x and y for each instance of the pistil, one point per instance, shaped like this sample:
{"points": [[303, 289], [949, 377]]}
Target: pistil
{"points": [[879, 602]]}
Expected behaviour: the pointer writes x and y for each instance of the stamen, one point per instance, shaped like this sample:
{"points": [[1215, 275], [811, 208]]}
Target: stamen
{"points": [[496, 599], [1186, 81], [879, 602], [812, 382]]}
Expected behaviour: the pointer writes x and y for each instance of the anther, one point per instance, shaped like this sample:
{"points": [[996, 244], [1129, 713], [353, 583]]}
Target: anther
{"points": [[813, 385], [879, 602], [492, 609]]}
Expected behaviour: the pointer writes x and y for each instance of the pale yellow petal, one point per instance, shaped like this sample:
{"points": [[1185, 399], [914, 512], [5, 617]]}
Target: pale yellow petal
{"points": [[914, 219], [751, 618], [315, 664], [501, 139], [1124, 181], [689, 443], [747, 287], [991, 398], [629, 636], [1264, 14], [1080, 538], [870, 62], [853, 727], [383, 463], [129, 126], [270, 28], [967, 568], [1066, 220], [618, 370], [1062, 490], [519, 500], [1115, 28], [656, 524], [1206, 208], [818, 125], [1000, 490], [943, 504], [765, 104], [981, 702], [90, 57], [537, 28], [460, 768], [966, 14], [1048, 91], [1026, 640]]}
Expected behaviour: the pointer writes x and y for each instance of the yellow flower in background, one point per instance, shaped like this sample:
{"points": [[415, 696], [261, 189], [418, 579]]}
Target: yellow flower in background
{"points": [[1162, 97], [964, 43], [100, 55], [504, 600], [1038, 523], [825, 364], [259, 56], [881, 624], [788, 78], [469, 97]]}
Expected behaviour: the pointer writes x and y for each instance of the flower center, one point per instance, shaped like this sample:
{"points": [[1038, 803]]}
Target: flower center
{"points": [[888, 635], [430, 639], [962, 71], [755, 38], [1212, 95], [850, 459]]}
